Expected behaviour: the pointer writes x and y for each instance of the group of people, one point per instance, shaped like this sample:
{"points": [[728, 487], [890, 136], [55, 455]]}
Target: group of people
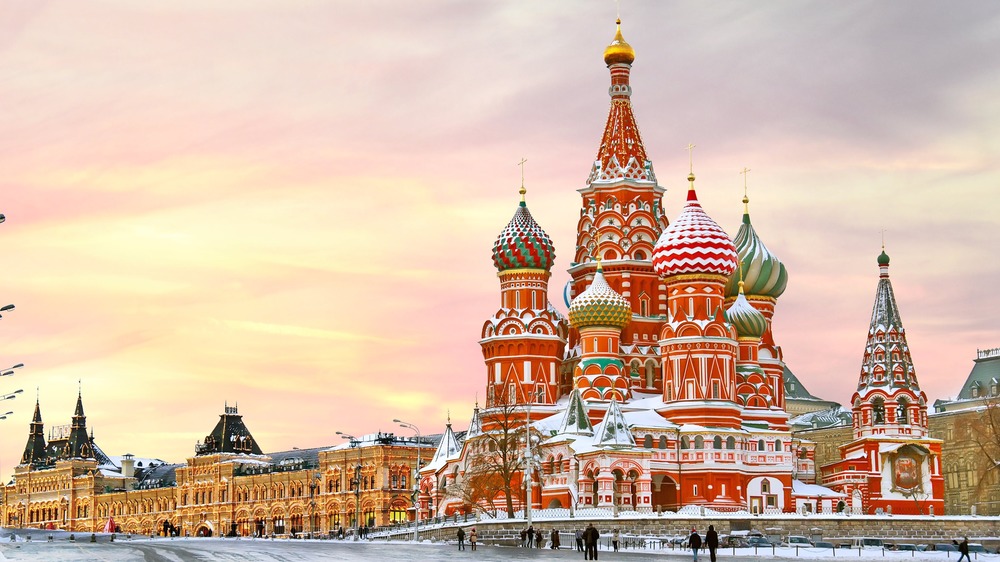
{"points": [[711, 542], [473, 538]]}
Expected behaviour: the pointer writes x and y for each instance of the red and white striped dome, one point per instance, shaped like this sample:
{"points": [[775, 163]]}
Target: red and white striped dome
{"points": [[694, 243]]}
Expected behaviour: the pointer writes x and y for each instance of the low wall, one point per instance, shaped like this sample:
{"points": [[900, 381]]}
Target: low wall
{"points": [[833, 528]]}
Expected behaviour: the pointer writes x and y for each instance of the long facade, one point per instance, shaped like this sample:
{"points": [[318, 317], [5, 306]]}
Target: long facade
{"points": [[228, 487]]}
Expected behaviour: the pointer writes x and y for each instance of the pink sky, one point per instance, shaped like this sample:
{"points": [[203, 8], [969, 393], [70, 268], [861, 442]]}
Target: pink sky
{"points": [[292, 205]]}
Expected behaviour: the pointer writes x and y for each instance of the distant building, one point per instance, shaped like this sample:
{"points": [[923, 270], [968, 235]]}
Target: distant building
{"points": [[228, 487], [799, 401]]}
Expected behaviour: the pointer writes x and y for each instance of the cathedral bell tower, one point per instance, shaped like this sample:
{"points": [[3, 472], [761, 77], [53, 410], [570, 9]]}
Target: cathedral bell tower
{"points": [[620, 220], [523, 342]]}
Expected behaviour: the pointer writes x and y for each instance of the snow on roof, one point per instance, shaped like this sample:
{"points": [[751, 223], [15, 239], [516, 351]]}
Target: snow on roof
{"points": [[802, 489]]}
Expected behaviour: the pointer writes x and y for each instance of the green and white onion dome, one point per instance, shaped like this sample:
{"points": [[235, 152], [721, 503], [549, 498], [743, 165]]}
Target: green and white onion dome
{"points": [[600, 305], [523, 244], [748, 321], [763, 273]]}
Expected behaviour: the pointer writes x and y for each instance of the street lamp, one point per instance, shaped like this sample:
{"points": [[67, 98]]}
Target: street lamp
{"points": [[356, 483], [529, 458], [416, 480]]}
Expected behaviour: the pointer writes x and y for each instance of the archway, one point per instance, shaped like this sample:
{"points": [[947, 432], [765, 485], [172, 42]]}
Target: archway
{"points": [[664, 492]]}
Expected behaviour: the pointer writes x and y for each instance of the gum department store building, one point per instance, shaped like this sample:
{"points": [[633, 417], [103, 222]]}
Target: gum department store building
{"points": [[663, 388]]}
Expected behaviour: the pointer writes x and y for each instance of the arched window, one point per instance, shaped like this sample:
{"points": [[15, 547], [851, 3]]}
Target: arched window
{"points": [[730, 443], [760, 445], [717, 442], [647, 442], [765, 486], [878, 411], [685, 442], [901, 412], [777, 445], [663, 442], [699, 442]]}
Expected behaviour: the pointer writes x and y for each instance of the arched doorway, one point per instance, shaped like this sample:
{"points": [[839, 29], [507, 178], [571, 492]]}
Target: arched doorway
{"points": [[664, 492]]}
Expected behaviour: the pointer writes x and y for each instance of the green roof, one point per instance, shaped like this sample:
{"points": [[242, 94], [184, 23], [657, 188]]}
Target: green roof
{"points": [[985, 374]]}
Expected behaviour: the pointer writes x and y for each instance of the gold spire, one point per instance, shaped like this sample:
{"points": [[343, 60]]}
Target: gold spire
{"points": [[522, 191], [619, 52], [740, 264]]}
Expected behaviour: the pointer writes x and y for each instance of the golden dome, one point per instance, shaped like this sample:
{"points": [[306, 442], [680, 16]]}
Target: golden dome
{"points": [[619, 51]]}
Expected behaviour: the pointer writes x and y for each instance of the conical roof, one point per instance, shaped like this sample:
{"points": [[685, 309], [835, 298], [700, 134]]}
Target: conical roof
{"points": [[600, 305], [613, 430], [35, 448], [476, 425], [522, 244], [447, 449], [575, 421], [886, 363], [230, 435], [763, 272], [694, 243]]}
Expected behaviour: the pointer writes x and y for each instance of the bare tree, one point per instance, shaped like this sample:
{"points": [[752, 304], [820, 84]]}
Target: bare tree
{"points": [[495, 466], [986, 434]]}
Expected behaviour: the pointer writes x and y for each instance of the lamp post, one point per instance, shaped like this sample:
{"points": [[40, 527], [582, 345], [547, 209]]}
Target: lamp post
{"points": [[529, 457], [355, 483], [416, 480]]}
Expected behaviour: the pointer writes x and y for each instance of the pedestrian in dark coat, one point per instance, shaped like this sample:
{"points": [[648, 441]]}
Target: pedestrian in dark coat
{"points": [[554, 539], [712, 541], [963, 548], [695, 543], [539, 538], [531, 536], [461, 538], [524, 538], [590, 540]]}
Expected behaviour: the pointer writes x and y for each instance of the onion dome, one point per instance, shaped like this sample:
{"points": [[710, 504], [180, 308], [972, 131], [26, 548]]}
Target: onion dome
{"points": [[883, 258], [523, 244], [748, 321], [694, 243], [763, 272], [619, 52], [600, 305]]}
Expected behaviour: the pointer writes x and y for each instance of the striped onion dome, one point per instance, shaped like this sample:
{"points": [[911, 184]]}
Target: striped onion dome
{"points": [[523, 244], [763, 272], [747, 320], [694, 243], [600, 305]]}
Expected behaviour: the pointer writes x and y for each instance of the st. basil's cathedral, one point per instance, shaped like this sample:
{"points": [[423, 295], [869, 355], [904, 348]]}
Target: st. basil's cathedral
{"points": [[665, 387]]}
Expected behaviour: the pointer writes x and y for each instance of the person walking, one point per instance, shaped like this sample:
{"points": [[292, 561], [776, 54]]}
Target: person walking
{"points": [[963, 548], [712, 541], [615, 535], [554, 539], [472, 539], [461, 538], [590, 539], [531, 536], [539, 538], [579, 540], [694, 541]]}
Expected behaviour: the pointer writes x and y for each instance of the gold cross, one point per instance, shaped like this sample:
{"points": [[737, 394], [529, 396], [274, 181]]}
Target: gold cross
{"points": [[690, 149], [522, 191], [618, 9], [744, 173]]}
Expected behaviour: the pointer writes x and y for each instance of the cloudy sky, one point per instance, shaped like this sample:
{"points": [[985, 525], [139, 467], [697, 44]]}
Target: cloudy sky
{"points": [[291, 205]]}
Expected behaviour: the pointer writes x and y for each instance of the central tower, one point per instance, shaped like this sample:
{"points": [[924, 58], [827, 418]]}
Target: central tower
{"points": [[621, 219]]}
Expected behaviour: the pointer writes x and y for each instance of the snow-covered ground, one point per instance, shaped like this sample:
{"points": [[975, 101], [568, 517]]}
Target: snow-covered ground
{"points": [[184, 550]]}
